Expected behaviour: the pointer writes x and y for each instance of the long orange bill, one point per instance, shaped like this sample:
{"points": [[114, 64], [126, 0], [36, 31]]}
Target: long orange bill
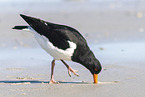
{"points": [[95, 76]]}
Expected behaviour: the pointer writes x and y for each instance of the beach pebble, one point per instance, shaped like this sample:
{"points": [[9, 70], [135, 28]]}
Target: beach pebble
{"points": [[105, 69], [101, 48], [19, 78], [115, 81]]}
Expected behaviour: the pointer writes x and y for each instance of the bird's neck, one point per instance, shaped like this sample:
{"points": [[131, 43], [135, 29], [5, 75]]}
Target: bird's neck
{"points": [[88, 59]]}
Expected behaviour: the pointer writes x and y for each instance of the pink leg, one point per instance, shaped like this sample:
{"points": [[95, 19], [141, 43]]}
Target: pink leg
{"points": [[70, 69], [52, 69]]}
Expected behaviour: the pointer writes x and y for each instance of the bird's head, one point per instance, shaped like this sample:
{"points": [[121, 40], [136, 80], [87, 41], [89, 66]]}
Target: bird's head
{"points": [[94, 66], [91, 63], [95, 69]]}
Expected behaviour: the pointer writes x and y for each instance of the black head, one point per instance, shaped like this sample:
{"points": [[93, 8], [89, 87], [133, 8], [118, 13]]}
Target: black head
{"points": [[92, 64], [89, 61], [95, 67]]}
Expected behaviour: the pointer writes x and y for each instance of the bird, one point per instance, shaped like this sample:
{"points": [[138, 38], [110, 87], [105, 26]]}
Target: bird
{"points": [[63, 43]]}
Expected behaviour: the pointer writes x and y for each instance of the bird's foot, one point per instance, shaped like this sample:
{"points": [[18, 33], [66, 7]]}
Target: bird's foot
{"points": [[70, 69], [73, 71], [53, 82]]}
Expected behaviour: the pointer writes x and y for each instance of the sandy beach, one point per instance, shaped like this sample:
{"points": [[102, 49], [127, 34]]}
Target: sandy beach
{"points": [[114, 31]]}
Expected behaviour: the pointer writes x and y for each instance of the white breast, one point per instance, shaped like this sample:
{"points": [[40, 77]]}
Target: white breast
{"points": [[53, 50]]}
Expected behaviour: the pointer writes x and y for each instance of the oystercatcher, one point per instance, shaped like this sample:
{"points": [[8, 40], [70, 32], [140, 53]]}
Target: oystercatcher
{"points": [[62, 43]]}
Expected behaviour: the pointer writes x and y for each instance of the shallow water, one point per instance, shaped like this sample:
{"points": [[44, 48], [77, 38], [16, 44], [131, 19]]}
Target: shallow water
{"points": [[132, 52]]}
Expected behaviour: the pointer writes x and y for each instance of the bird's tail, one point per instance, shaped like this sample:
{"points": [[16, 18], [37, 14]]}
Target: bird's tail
{"points": [[20, 27]]}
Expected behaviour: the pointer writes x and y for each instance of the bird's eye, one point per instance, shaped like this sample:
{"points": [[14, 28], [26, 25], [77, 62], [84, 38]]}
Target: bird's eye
{"points": [[96, 69]]}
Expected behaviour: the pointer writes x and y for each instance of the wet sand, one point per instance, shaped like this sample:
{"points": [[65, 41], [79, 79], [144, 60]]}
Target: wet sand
{"points": [[116, 36], [26, 72]]}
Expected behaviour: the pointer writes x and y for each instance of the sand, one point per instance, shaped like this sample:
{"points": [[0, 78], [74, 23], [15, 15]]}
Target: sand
{"points": [[114, 31]]}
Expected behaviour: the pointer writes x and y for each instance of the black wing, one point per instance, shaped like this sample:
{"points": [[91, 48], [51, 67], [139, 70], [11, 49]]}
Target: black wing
{"points": [[59, 35]]}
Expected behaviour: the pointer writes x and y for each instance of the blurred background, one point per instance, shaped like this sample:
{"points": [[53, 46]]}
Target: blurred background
{"points": [[114, 30], [99, 21]]}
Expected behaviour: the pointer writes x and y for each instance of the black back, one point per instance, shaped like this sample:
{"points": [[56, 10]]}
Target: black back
{"points": [[57, 34]]}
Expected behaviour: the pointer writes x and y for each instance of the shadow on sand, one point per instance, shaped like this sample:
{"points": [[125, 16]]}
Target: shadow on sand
{"points": [[38, 81]]}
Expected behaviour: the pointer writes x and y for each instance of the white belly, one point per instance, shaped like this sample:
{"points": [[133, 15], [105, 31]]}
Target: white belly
{"points": [[54, 51]]}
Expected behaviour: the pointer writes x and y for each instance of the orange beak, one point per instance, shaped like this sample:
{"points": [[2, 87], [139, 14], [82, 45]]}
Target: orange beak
{"points": [[95, 76]]}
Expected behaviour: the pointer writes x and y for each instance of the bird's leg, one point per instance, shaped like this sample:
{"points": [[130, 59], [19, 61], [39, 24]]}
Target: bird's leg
{"points": [[70, 69], [52, 69]]}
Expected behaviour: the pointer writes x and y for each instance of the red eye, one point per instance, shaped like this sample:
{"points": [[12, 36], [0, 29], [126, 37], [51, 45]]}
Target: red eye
{"points": [[96, 69]]}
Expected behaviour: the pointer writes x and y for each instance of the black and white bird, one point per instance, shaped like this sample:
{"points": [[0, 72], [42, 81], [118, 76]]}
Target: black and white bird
{"points": [[62, 43]]}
